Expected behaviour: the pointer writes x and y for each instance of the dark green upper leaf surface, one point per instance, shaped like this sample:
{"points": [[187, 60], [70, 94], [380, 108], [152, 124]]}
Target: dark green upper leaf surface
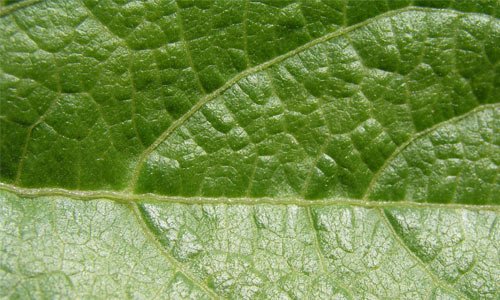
{"points": [[330, 120], [314, 100]]}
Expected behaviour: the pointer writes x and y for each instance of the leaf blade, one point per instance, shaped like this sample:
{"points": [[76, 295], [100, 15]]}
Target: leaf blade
{"points": [[226, 206]]}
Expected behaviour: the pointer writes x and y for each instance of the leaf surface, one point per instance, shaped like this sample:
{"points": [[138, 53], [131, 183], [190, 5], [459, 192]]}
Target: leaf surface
{"points": [[249, 150]]}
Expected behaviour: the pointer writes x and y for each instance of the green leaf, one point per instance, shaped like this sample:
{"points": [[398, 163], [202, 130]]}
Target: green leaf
{"points": [[241, 149]]}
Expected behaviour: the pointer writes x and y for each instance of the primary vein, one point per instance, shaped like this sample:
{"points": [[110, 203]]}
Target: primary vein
{"points": [[155, 198]]}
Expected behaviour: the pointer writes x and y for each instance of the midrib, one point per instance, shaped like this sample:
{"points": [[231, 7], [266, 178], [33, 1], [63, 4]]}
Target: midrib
{"points": [[196, 200]]}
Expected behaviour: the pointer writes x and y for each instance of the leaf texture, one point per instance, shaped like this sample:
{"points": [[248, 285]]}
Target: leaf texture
{"points": [[241, 149]]}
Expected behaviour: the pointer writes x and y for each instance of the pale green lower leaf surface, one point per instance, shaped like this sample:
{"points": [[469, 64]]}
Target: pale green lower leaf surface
{"points": [[63, 248]]}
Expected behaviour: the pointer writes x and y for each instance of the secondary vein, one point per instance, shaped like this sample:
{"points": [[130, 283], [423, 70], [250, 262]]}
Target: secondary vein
{"points": [[405, 145], [205, 99], [438, 281], [176, 264]]}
